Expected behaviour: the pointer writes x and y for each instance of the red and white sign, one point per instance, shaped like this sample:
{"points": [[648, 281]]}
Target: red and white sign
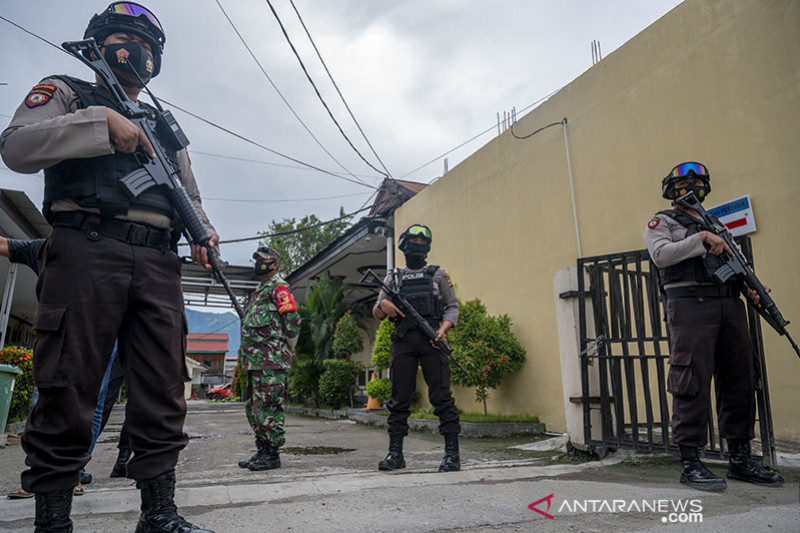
{"points": [[737, 215]]}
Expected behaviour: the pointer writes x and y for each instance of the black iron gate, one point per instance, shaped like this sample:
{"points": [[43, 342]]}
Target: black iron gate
{"points": [[624, 358]]}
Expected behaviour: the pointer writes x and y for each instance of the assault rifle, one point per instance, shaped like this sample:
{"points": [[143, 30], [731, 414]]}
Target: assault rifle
{"points": [[158, 171], [736, 267], [413, 315]]}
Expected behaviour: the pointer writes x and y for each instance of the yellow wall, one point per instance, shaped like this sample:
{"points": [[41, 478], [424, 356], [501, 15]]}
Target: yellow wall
{"points": [[713, 81]]}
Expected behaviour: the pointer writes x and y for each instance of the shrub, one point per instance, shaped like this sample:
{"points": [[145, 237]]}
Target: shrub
{"points": [[21, 358], [380, 389], [486, 348], [336, 383], [346, 340], [383, 345], [239, 381]]}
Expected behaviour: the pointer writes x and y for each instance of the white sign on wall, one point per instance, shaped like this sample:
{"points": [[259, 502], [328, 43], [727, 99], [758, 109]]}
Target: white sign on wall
{"points": [[737, 215]]}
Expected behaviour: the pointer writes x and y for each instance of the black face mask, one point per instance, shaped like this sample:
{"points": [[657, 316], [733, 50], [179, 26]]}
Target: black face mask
{"points": [[699, 191], [415, 254], [125, 57]]}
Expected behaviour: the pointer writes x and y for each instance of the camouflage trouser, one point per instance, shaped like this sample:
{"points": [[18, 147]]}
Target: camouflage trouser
{"points": [[264, 404]]}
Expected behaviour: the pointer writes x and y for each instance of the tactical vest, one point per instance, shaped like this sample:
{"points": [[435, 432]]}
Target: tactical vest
{"points": [[93, 182], [417, 288], [699, 269]]}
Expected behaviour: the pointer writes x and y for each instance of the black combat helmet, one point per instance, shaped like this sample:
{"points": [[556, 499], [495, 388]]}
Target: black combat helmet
{"points": [[690, 169], [415, 230], [129, 17]]}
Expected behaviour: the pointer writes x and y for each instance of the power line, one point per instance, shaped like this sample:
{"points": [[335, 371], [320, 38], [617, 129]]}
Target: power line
{"points": [[484, 132], [290, 232], [337, 89], [204, 198], [241, 137], [193, 152], [285, 101], [268, 149], [316, 90]]}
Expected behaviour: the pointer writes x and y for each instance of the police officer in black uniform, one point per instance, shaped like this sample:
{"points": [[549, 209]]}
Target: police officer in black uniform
{"points": [[708, 335], [109, 271], [429, 290]]}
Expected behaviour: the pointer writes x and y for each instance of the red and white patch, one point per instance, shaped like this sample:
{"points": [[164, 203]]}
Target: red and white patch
{"points": [[122, 56], [654, 222], [284, 300], [40, 94]]}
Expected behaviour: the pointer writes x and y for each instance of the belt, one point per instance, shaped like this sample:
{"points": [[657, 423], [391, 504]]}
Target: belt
{"points": [[703, 291], [128, 232]]}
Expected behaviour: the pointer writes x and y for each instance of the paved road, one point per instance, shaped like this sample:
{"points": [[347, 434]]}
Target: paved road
{"points": [[329, 483]]}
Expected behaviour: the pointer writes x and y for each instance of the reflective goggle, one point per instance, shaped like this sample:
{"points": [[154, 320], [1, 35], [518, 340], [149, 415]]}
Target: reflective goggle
{"points": [[684, 169], [419, 231], [134, 10]]}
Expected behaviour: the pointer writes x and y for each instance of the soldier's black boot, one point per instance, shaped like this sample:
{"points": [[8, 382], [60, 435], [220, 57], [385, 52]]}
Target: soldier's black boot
{"points": [[121, 464], [267, 458], [159, 513], [696, 475], [394, 459], [244, 463], [743, 467], [451, 461], [52, 512]]}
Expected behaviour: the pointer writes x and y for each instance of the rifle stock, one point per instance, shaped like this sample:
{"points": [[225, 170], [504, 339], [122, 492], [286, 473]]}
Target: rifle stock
{"points": [[736, 265]]}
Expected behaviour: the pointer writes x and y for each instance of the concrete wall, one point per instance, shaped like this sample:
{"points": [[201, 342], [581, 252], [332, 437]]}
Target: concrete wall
{"points": [[716, 81]]}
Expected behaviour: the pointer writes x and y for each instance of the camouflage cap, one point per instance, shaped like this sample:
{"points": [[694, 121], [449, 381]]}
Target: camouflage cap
{"points": [[265, 254]]}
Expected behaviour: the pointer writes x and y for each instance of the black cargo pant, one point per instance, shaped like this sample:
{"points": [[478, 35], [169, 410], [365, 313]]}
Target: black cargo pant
{"points": [[407, 353], [91, 293], [709, 337]]}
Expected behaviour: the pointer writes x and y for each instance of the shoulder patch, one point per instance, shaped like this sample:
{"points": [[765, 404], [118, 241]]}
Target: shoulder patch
{"points": [[284, 300], [40, 94], [654, 222], [447, 279]]}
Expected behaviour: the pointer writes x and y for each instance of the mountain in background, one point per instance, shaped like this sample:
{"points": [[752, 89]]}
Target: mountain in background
{"points": [[201, 322]]}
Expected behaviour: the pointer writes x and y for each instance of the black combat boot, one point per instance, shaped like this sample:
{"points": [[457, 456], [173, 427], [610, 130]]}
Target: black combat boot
{"points": [[394, 460], [696, 475], [121, 465], [52, 512], [267, 458], [244, 463], [743, 467], [159, 513], [451, 461]]}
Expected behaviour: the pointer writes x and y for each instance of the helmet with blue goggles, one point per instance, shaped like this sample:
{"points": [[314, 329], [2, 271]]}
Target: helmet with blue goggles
{"points": [[123, 17], [685, 171]]}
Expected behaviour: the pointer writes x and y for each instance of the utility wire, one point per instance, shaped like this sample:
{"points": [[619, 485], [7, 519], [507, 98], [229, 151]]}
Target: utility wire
{"points": [[484, 132], [268, 149], [316, 90], [290, 232], [241, 137], [285, 101], [337, 89], [193, 152], [535, 132], [204, 198]]}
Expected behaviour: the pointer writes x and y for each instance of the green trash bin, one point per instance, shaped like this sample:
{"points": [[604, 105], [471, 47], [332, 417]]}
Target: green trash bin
{"points": [[8, 374]]}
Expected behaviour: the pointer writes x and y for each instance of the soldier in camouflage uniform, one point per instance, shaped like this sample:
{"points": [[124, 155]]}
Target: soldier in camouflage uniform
{"points": [[269, 333]]}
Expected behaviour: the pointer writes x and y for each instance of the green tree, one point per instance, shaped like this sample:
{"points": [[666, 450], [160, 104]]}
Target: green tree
{"points": [[383, 345], [297, 248], [346, 340], [486, 348], [323, 308], [336, 383]]}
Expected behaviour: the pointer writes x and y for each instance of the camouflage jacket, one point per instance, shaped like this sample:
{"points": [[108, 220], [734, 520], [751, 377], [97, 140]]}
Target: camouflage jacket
{"points": [[270, 327]]}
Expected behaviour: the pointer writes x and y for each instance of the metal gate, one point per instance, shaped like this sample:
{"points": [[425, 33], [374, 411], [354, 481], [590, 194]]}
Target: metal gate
{"points": [[624, 358]]}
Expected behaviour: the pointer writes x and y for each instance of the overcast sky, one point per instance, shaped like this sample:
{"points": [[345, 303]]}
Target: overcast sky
{"points": [[420, 76]]}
